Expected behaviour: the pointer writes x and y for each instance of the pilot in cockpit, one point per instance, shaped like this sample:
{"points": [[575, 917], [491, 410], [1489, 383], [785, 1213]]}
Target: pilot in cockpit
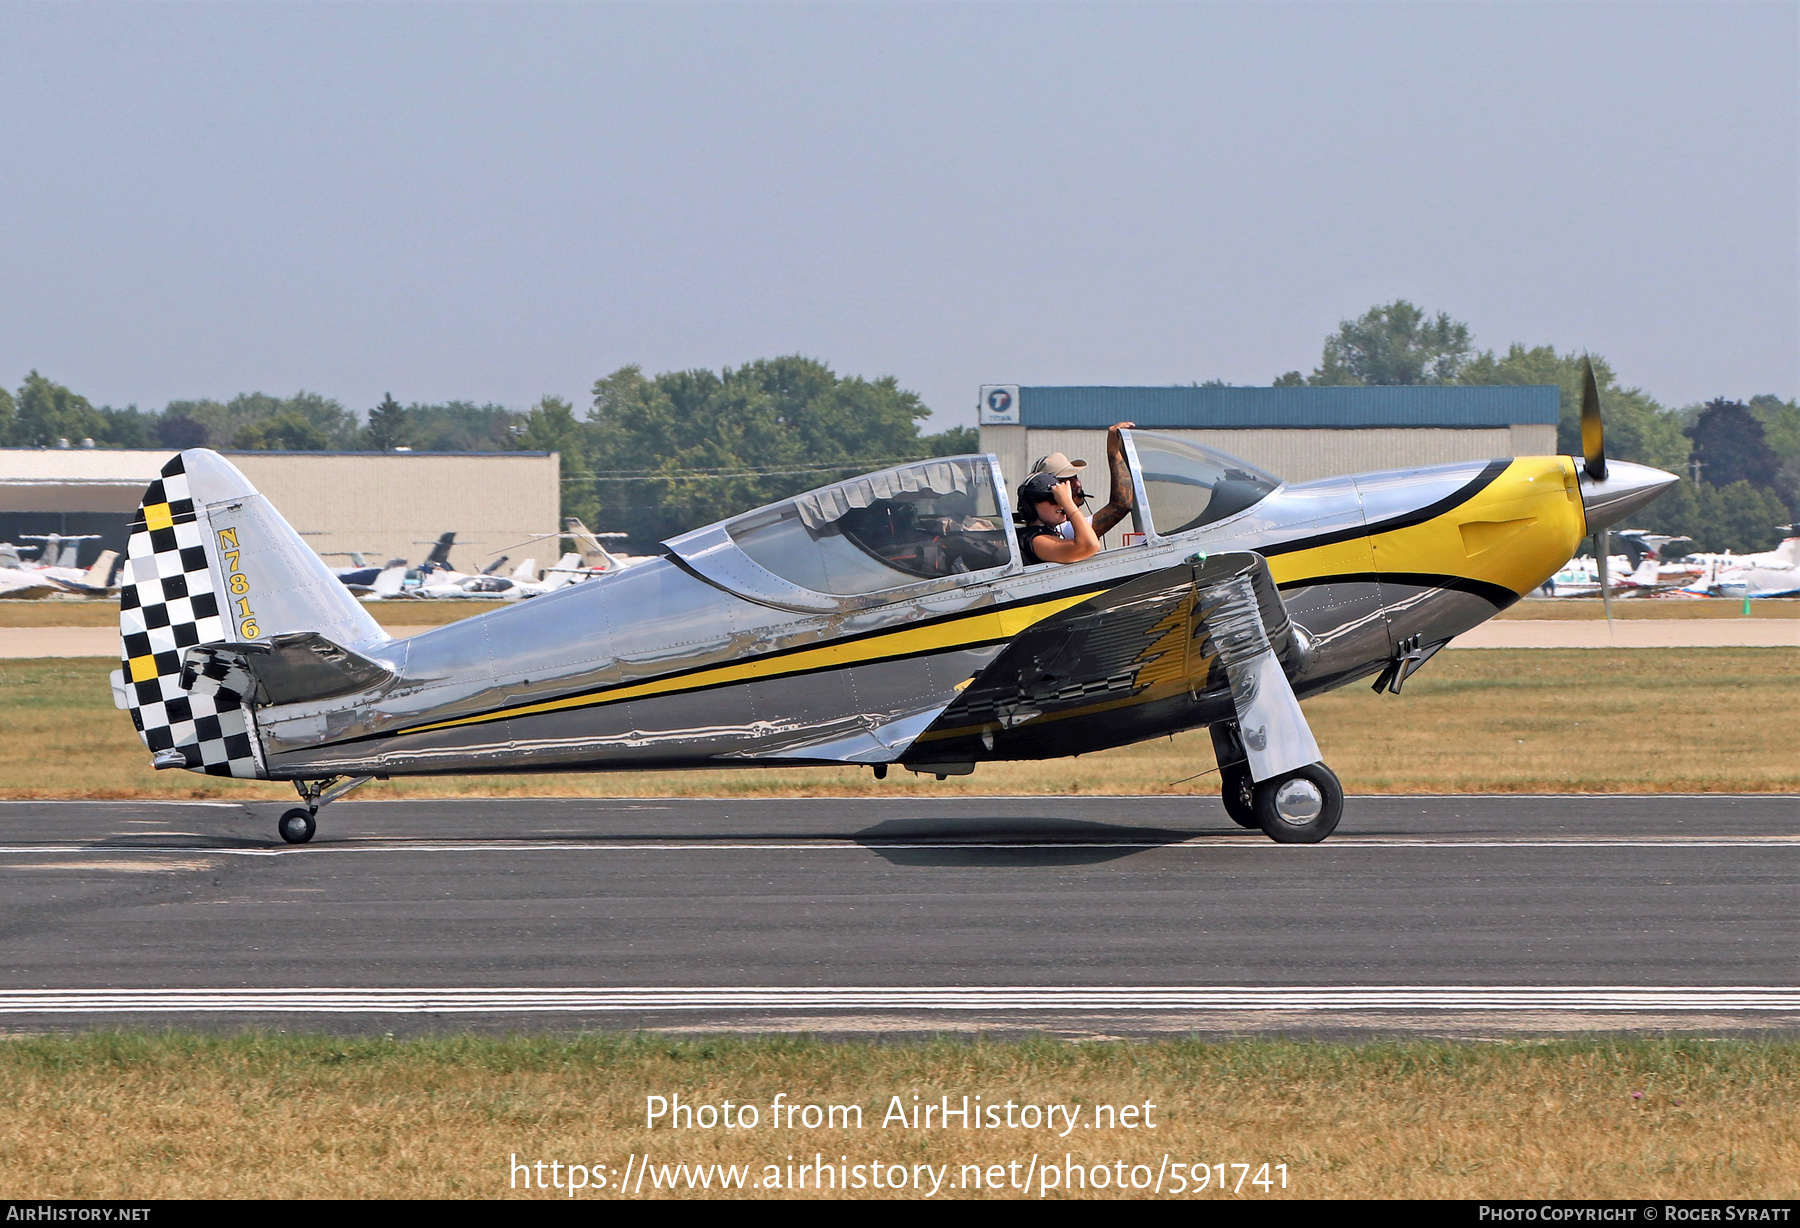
{"points": [[1053, 528]]}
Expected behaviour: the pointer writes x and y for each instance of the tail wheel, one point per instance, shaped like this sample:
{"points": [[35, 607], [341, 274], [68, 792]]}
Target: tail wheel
{"points": [[1301, 807], [297, 826], [1239, 794]]}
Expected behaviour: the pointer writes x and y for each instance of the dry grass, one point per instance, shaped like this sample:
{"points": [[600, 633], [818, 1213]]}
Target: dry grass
{"points": [[1654, 609], [59, 612], [87, 613], [113, 1115], [1475, 721], [1508, 721]]}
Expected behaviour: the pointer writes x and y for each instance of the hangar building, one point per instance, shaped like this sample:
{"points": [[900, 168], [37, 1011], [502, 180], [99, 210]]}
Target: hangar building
{"points": [[383, 504], [1297, 434]]}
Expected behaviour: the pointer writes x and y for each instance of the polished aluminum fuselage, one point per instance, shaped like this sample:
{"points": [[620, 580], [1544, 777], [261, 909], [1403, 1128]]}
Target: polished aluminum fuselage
{"points": [[690, 660]]}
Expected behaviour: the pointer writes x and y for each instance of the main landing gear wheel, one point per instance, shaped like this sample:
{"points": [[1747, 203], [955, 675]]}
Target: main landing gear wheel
{"points": [[1302, 807], [297, 826], [1237, 790]]}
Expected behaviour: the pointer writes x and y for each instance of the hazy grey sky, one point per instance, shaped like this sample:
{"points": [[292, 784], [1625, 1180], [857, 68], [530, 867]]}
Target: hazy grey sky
{"points": [[498, 201]]}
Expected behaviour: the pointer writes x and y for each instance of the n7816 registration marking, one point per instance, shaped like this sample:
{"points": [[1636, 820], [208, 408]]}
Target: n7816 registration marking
{"points": [[237, 582]]}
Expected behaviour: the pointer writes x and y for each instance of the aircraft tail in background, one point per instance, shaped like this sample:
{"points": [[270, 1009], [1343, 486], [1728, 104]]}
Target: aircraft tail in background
{"points": [[440, 552], [100, 574]]}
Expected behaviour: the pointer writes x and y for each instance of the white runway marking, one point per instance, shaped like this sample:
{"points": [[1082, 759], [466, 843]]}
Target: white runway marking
{"points": [[611, 804], [931, 998], [1239, 843]]}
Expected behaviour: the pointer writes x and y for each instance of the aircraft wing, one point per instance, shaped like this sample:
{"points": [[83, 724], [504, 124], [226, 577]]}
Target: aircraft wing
{"points": [[284, 669], [26, 584], [1211, 622]]}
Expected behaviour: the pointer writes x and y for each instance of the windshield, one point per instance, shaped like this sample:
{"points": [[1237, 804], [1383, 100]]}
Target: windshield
{"points": [[1188, 485], [917, 522]]}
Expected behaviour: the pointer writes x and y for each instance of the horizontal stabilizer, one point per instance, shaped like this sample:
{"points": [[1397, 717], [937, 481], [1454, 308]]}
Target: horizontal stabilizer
{"points": [[283, 669]]}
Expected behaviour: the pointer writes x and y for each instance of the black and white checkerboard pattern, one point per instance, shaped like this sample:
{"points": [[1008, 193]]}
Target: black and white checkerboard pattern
{"points": [[167, 604]]}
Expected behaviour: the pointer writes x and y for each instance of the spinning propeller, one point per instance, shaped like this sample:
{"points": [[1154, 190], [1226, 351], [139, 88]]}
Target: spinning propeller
{"points": [[1593, 451], [1593, 431]]}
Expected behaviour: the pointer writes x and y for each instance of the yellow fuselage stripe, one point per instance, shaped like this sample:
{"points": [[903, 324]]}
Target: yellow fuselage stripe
{"points": [[986, 627]]}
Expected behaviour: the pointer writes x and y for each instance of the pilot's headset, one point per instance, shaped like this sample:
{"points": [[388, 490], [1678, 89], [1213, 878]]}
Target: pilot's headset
{"points": [[1036, 489]]}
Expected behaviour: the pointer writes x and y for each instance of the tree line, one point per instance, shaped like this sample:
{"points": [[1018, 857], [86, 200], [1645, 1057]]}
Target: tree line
{"points": [[655, 455], [651, 456], [1739, 461], [45, 414]]}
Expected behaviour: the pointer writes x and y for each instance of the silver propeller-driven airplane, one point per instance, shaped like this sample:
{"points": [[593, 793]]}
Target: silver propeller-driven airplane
{"points": [[889, 619]]}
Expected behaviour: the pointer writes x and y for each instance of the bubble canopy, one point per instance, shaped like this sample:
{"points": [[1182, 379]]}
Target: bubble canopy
{"points": [[1188, 485], [924, 521]]}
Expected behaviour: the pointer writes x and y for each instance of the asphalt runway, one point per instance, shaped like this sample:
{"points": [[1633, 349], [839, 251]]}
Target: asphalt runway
{"points": [[1452, 915]]}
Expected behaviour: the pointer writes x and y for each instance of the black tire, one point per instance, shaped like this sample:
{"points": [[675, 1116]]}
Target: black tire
{"points": [[1302, 807], [1238, 792], [297, 826]]}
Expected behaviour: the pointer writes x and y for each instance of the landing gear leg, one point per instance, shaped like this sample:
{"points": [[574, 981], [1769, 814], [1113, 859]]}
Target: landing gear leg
{"points": [[1238, 794], [1295, 798], [298, 825], [1236, 787]]}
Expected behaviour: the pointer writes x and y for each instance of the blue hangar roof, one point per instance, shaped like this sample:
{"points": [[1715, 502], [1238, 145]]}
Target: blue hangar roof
{"points": [[1415, 405]]}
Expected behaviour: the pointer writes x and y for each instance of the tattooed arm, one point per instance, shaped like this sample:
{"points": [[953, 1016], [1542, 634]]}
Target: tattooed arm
{"points": [[1118, 505]]}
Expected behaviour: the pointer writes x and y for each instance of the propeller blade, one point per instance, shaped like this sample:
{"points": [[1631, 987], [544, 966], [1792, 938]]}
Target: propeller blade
{"points": [[1593, 433], [1603, 546]]}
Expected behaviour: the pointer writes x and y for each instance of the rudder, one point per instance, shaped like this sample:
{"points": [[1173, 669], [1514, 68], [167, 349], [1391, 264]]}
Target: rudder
{"points": [[210, 561]]}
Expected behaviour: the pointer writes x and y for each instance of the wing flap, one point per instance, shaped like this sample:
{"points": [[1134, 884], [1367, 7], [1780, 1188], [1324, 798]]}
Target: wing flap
{"points": [[881, 744]]}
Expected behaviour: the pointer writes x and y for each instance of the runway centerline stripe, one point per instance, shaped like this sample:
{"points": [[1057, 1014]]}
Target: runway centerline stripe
{"points": [[467, 1000], [841, 845]]}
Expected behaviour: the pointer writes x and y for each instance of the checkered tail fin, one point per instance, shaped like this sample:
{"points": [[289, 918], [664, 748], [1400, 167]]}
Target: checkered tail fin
{"points": [[210, 561]]}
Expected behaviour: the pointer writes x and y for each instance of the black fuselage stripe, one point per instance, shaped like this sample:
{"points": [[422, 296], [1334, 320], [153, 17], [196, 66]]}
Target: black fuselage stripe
{"points": [[598, 694], [1405, 520], [1498, 594], [599, 699]]}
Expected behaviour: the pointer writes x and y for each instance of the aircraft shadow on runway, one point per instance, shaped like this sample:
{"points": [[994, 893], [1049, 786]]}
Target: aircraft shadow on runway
{"points": [[1025, 842]]}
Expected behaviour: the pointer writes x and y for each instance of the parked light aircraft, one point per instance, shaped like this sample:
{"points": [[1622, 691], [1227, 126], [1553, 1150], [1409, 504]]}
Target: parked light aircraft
{"points": [[59, 561], [95, 581], [58, 550], [1637, 543], [17, 584], [21, 579], [595, 556], [1579, 577], [360, 575], [400, 579], [1771, 573], [1639, 572], [523, 582], [885, 620]]}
